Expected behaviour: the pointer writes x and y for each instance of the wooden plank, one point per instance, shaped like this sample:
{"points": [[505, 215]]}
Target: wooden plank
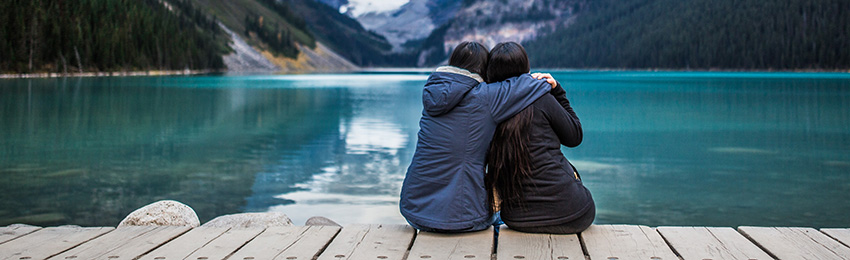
{"points": [[226, 244], [124, 243], [10, 232], [625, 242], [701, 243], [310, 245], [796, 243], [186, 244], [50, 241], [473, 245], [517, 245], [302, 242], [147, 242], [840, 234], [370, 242]]}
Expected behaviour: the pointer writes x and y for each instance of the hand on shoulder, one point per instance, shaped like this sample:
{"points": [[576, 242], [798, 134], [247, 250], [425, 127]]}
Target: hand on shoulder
{"points": [[547, 76]]}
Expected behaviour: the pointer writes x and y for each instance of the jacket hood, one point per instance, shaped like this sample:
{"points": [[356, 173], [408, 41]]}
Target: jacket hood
{"points": [[446, 87]]}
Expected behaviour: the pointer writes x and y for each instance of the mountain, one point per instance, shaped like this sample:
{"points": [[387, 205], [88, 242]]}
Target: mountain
{"points": [[701, 34], [298, 36], [412, 22], [345, 36], [494, 21]]}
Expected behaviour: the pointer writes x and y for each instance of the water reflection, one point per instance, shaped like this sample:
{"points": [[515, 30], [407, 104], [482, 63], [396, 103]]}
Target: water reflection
{"points": [[358, 168], [723, 149]]}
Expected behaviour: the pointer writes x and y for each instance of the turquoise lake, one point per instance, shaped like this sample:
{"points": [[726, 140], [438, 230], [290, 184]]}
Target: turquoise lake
{"points": [[660, 148]]}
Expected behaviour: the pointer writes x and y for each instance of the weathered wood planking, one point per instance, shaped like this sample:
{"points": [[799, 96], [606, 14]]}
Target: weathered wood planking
{"points": [[292, 243], [124, 243], [625, 242], [796, 243], [47, 242], [840, 234], [370, 242], [474, 245], [701, 243], [226, 244], [14, 231], [186, 244], [518, 245]]}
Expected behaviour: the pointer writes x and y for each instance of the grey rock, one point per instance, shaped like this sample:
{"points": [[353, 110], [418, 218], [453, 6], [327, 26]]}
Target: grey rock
{"points": [[251, 220], [162, 213], [244, 57], [320, 221], [19, 225]]}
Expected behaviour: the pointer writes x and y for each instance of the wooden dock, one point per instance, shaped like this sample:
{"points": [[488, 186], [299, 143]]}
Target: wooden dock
{"points": [[379, 242]]}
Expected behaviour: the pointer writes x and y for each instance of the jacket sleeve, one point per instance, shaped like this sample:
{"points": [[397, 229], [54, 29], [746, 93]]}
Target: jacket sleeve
{"points": [[508, 97], [562, 118]]}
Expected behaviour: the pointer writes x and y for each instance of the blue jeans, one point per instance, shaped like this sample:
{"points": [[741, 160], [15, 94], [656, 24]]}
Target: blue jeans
{"points": [[494, 220]]}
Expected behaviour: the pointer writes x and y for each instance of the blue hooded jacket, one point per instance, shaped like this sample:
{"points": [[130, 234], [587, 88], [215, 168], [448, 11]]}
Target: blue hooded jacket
{"points": [[444, 185]]}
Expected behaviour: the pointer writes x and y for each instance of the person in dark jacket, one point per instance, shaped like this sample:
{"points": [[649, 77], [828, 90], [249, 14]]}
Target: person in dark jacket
{"points": [[443, 190], [540, 191]]}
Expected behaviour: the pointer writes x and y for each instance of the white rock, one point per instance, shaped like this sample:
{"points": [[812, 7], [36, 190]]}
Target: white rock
{"points": [[251, 220], [162, 213]]}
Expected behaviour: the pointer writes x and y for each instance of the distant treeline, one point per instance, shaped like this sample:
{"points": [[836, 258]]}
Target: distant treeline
{"points": [[701, 34], [107, 35]]}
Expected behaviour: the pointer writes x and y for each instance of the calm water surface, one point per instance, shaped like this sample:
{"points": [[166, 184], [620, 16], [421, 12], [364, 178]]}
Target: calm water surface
{"points": [[719, 149]]}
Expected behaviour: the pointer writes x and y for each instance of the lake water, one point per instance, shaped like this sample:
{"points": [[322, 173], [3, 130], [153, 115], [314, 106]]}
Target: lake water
{"points": [[677, 148]]}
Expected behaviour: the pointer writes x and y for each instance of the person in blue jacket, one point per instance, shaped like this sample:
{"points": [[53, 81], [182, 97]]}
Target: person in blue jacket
{"points": [[443, 190]]}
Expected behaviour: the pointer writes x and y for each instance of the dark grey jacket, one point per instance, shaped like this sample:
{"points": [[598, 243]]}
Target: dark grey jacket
{"points": [[554, 193]]}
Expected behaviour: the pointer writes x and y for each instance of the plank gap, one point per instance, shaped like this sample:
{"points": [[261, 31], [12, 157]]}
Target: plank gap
{"points": [[759, 245], [676, 252], [409, 246], [583, 246], [325, 247], [29, 230], [69, 249], [163, 243], [243, 244], [834, 238]]}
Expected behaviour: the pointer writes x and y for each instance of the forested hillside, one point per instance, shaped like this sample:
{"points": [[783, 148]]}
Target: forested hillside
{"points": [[346, 36], [267, 24], [701, 34], [107, 35]]}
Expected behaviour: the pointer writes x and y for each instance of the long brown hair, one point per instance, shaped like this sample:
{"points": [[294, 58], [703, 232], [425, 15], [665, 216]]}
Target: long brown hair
{"points": [[508, 159]]}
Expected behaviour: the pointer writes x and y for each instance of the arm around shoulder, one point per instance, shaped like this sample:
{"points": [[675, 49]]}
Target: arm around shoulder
{"points": [[507, 98]]}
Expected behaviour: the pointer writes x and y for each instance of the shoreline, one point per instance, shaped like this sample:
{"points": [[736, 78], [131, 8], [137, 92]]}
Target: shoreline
{"points": [[379, 70], [106, 74]]}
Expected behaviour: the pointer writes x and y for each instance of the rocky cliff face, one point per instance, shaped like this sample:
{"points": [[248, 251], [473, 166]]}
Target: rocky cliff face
{"points": [[413, 21], [246, 58], [431, 28], [494, 21]]}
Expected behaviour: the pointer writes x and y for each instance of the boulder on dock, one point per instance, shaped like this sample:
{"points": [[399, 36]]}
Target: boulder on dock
{"points": [[321, 221], [251, 220], [162, 213]]}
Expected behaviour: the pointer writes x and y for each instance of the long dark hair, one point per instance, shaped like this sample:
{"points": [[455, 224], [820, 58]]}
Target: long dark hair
{"points": [[508, 160], [471, 56]]}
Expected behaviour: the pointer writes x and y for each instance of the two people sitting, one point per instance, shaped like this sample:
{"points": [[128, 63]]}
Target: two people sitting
{"points": [[489, 138]]}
